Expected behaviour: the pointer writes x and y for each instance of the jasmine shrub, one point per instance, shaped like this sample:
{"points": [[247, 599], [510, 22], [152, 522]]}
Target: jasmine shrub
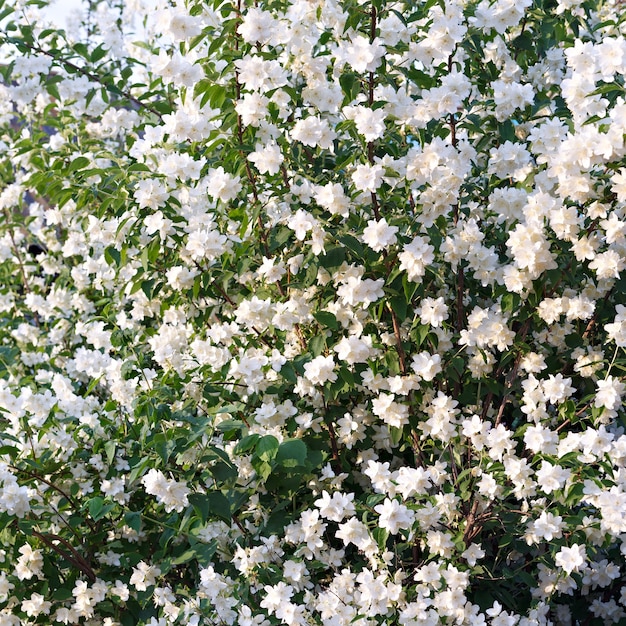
{"points": [[313, 313]]}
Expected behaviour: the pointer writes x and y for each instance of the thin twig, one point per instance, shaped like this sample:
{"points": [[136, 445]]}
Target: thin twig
{"points": [[75, 505], [75, 558], [86, 73], [398, 336]]}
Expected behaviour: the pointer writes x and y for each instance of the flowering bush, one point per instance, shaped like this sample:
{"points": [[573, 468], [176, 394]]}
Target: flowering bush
{"points": [[313, 312]]}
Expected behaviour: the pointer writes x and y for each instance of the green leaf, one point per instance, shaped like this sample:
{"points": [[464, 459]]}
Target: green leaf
{"points": [[380, 536], [133, 520], [99, 53], [204, 552], [185, 557], [399, 306], [247, 443], [82, 49], [138, 167], [317, 345], [352, 244], [224, 472], [164, 446], [229, 425], [109, 449], [291, 453], [95, 507], [279, 237], [112, 256], [326, 320], [78, 163], [147, 286], [262, 468], [288, 372], [334, 257], [98, 509], [212, 504], [267, 448]]}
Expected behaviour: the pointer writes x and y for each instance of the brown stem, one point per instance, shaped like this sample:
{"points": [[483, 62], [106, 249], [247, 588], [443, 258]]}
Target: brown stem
{"points": [[592, 322], [18, 256], [511, 378], [375, 206], [241, 527], [398, 336], [453, 467], [283, 172], [460, 287], [371, 83], [333, 444], [460, 316], [560, 427], [73, 557], [470, 527], [417, 449], [373, 23], [509, 384], [249, 173], [416, 552], [411, 201], [75, 505]]}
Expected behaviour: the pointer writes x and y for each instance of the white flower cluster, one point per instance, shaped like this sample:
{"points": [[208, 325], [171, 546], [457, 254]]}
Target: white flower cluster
{"points": [[14, 498], [312, 312], [171, 493]]}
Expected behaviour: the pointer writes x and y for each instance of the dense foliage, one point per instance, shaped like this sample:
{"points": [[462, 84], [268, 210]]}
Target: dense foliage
{"points": [[313, 312]]}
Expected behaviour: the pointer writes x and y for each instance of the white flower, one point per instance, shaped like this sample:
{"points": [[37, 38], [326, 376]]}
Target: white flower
{"points": [[144, 576], [369, 122], [354, 349], [14, 498], [619, 184], [473, 554], [36, 605], [426, 365], [355, 290], [609, 394], [320, 370], [416, 257], [267, 159], [608, 264], [545, 528], [363, 55], [337, 507], [432, 311], [354, 531], [394, 516], [182, 26], [333, 198], [557, 389], [221, 185], [551, 477], [313, 131], [616, 331], [486, 328], [256, 26], [276, 595], [368, 177], [571, 559], [392, 413], [170, 493], [379, 235], [6, 586], [301, 223]]}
